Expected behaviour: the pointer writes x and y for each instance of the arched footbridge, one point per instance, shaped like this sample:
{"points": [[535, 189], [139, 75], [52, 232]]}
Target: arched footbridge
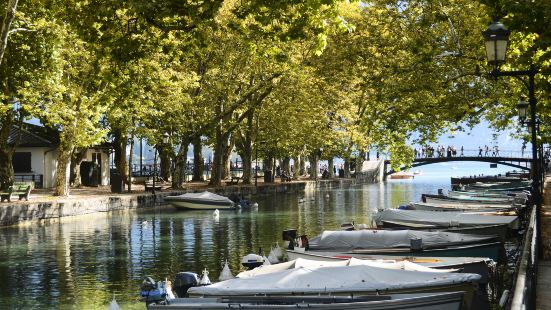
{"points": [[522, 163]]}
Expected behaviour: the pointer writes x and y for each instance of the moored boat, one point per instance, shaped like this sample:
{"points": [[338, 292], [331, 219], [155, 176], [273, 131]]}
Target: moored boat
{"points": [[200, 201], [500, 230], [429, 198], [445, 219], [458, 207], [402, 175], [427, 301], [341, 281], [406, 243]]}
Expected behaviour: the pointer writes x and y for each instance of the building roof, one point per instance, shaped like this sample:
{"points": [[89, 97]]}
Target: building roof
{"points": [[30, 135]]}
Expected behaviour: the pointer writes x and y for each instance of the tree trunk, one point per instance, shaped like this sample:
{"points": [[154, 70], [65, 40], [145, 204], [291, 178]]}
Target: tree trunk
{"points": [[6, 169], [218, 157], [296, 167], [166, 164], [331, 167], [247, 159], [180, 160], [302, 166], [6, 152], [286, 165], [119, 145], [63, 165], [6, 24], [198, 160], [227, 147], [76, 159], [347, 167], [130, 157], [314, 171]]}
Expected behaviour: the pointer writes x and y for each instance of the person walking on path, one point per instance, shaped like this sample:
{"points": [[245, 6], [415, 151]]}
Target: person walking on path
{"points": [[461, 151], [479, 151], [486, 150]]}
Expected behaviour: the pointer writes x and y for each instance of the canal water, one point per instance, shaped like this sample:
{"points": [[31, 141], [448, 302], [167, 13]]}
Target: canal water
{"points": [[83, 262]]}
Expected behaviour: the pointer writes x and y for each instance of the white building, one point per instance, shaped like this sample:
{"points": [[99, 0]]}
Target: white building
{"points": [[35, 157]]}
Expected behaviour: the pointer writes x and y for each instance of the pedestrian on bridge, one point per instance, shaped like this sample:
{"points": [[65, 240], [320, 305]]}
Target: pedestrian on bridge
{"points": [[461, 151], [522, 150], [496, 150], [479, 151], [486, 150]]}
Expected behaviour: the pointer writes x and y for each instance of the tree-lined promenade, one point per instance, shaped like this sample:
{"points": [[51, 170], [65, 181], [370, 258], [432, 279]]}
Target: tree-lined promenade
{"points": [[291, 81]]}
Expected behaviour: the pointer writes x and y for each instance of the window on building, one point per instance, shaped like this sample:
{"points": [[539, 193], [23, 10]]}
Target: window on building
{"points": [[22, 162]]}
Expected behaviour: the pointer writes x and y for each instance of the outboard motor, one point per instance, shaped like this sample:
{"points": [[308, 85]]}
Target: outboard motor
{"points": [[153, 293], [252, 261], [288, 236], [183, 282]]}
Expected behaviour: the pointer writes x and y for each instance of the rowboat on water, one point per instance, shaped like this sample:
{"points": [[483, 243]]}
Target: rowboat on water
{"points": [[486, 230], [429, 198], [458, 207], [406, 243], [446, 219], [200, 201]]}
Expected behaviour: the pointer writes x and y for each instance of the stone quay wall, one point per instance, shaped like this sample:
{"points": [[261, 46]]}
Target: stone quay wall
{"points": [[54, 208]]}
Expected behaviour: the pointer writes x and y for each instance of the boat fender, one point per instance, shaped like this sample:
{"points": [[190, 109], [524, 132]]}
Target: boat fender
{"points": [[114, 305], [277, 251], [504, 298], [183, 281], [272, 257], [205, 278], [226, 273]]}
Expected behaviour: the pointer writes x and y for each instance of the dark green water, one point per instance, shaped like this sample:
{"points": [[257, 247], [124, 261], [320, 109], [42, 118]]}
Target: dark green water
{"points": [[81, 263]]}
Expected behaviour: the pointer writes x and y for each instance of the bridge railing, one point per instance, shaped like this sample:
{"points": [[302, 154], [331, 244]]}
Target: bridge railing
{"points": [[524, 290], [476, 152]]}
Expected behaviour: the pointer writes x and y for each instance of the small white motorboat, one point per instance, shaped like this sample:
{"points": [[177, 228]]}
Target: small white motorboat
{"points": [[200, 201]]}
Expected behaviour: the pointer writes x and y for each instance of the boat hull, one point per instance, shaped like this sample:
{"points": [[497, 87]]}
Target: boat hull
{"points": [[198, 205], [429, 301], [484, 230], [492, 250]]}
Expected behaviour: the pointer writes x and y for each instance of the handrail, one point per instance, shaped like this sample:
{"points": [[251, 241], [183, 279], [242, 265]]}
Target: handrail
{"points": [[525, 284]]}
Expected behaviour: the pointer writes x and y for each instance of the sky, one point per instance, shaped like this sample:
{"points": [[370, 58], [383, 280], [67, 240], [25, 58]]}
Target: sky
{"points": [[482, 135]]}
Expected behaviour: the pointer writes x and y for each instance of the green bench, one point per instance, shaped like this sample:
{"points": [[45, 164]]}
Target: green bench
{"points": [[23, 190]]}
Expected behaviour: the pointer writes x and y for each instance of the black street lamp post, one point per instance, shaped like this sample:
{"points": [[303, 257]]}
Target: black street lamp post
{"points": [[496, 39]]}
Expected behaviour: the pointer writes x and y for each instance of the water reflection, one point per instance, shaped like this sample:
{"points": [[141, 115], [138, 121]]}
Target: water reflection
{"points": [[81, 262]]}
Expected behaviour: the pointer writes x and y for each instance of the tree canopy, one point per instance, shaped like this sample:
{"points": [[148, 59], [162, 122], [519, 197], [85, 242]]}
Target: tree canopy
{"points": [[326, 77]]}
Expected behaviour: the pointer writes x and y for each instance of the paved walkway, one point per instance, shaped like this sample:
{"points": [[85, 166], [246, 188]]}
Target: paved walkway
{"points": [[46, 195], [543, 290]]}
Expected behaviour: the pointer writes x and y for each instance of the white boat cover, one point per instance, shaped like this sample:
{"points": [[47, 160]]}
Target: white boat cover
{"points": [[335, 279], [384, 239], [302, 263], [445, 219], [204, 196]]}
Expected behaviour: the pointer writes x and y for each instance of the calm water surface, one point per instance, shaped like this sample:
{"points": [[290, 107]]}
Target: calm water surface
{"points": [[81, 263]]}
